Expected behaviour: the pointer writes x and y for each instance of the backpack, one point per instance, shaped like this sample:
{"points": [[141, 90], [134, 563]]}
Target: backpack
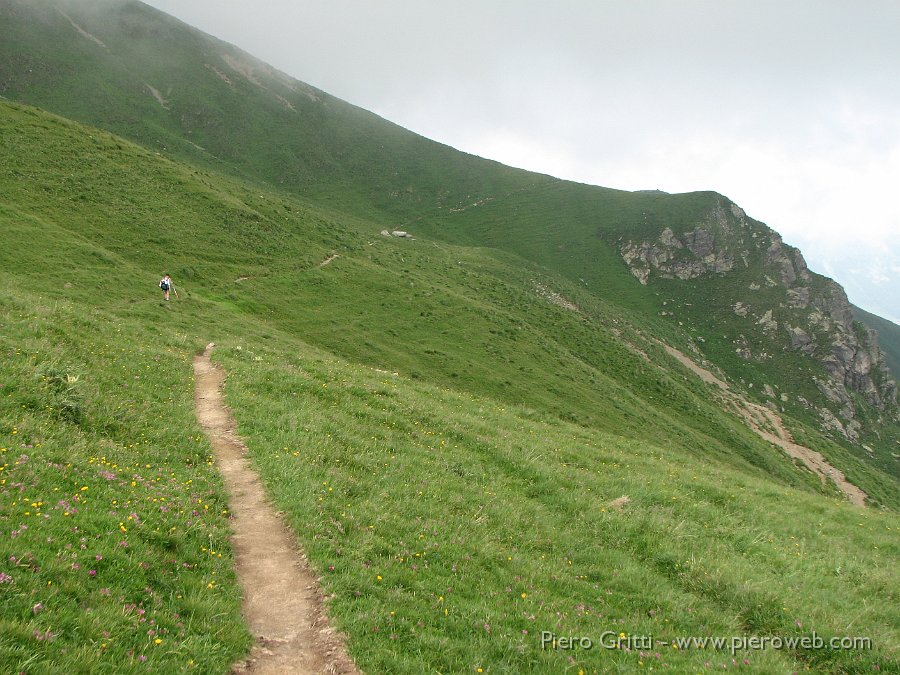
{"points": [[163, 284]]}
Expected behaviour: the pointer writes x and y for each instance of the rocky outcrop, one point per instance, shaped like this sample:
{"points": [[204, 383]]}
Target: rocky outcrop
{"points": [[802, 312], [396, 233], [768, 324], [852, 357], [850, 430], [788, 261], [693, 255], [801, 340], [798, 298]]}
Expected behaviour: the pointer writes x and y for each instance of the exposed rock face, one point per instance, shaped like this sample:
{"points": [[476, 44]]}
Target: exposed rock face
{"points": [[798, 298], [801, 340], [852, 359], [850, 431], [666, 257], [813, 313], [767, 322]]}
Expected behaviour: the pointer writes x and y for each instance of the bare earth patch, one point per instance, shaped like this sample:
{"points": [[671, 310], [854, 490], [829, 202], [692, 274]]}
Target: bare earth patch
{"points": [[701, 372], [242, 68], [222, 76], [769, 425], [154, 92], [283, 604], [248, 71], [82, 32], [557, 299], [620, 502], [814, 460]]}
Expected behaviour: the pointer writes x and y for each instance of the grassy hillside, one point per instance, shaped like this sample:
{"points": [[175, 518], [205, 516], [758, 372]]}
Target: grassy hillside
{"points": [[451, 539], [453, 530], [123, 66], [446, 421], [114, 554], [455, 510], [472, 318]]}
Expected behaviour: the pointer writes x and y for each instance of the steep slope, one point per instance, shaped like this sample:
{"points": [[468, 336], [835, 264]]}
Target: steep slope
{"points": [[450, 524], [821, 322], [126, 67], [774, 325], [105, 211], [758, 294], [749, 302], [888, 334]]}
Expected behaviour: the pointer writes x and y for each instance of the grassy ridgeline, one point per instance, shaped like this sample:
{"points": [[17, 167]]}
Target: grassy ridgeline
{"points": [[140, 73], [110, 217]]}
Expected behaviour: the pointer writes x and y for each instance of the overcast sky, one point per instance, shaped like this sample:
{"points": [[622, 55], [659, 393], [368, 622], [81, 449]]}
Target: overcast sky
{"points": [[789, 107]]}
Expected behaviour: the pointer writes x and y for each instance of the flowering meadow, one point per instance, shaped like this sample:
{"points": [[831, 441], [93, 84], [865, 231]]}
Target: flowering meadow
{"points": [[114, 554]]}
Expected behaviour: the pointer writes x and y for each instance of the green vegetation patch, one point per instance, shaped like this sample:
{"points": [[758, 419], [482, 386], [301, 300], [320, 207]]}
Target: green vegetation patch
{"points": [[452, 530], [114, 552]]}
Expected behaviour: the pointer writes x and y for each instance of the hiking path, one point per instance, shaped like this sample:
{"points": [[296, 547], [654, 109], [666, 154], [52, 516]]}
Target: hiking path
{"points": [[283, 604]]}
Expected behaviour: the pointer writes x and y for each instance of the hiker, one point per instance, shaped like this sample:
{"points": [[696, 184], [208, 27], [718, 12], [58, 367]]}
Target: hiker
{"points": [[166, 285]]}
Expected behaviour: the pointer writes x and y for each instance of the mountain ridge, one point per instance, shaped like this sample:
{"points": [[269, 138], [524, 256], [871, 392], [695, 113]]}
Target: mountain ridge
{"points": [[479, 433], [207, 101]]}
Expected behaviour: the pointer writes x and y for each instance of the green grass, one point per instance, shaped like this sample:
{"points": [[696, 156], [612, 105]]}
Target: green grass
{"points": [[441, 313], [453, 530], [481, 471], [113, 523]]}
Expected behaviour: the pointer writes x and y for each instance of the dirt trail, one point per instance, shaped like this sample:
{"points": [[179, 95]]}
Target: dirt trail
{"points": [[769, 425], [814, 460], [283, 604], [701, 372]]}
